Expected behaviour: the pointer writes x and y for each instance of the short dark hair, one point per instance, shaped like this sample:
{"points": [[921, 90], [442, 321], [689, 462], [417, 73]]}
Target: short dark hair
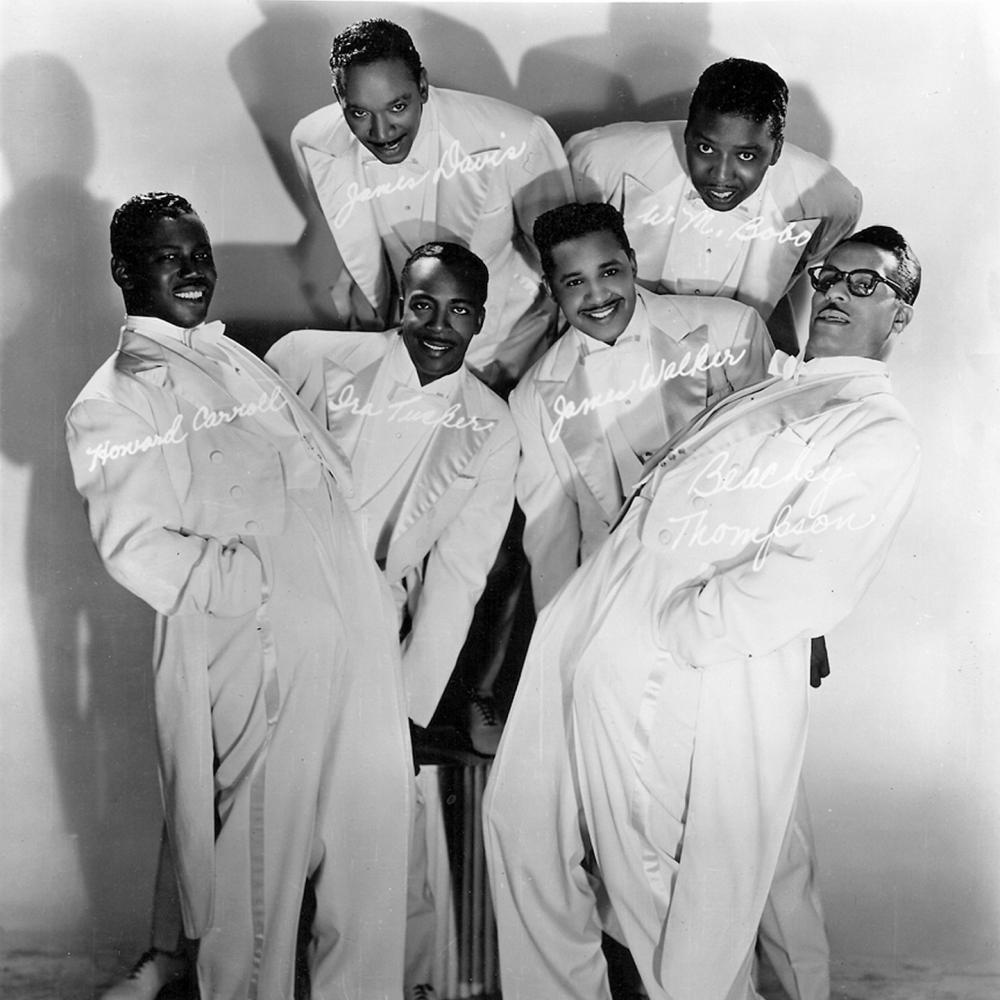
{"points": [[140, 213], [743, 87], [573, 220], [370, 41], [907, 269], [455, 257]]}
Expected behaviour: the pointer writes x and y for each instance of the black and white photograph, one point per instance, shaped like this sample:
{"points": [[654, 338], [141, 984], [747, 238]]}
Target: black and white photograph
{"points": [[497, 500]]}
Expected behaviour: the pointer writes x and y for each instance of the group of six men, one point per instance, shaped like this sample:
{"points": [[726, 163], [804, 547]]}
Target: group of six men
{"points": [[315, 530]]}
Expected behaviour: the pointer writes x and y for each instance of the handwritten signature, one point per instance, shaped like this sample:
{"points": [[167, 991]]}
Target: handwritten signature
{"points": [[203, 418], [453, 162], [406, 411], [718, 476], [701, 221], [567, 409], [694, 529]]}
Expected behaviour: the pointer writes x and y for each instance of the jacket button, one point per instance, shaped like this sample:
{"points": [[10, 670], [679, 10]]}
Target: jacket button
{"points": [[698, 502], [252, 526], [665, 537], [236, 492], [215, 456]]}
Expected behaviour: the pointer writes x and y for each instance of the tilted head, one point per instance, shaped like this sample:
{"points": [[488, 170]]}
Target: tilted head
{"points": [[161, 258], [443, 290], [735, 130], [589, 266], [863, 295], [381, 86]]}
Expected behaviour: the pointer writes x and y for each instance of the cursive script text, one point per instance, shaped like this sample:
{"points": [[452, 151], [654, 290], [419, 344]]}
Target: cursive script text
{"points": [[649, 379]]}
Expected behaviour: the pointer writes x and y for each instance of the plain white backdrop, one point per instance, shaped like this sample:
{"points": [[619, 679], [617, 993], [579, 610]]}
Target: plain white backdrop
{"points": [[105, 99]]}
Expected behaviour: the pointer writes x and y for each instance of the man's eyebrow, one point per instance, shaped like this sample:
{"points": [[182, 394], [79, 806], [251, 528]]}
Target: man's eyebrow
{"points": [[613, 262], [405, 96], [695, 134], [468, 299]]}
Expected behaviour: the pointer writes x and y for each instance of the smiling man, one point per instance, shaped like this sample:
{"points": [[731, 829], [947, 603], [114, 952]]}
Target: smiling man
{"points": [[275, 668], [434, 452], [721, 204], [396, 162], [632, 369], [652, 754]]}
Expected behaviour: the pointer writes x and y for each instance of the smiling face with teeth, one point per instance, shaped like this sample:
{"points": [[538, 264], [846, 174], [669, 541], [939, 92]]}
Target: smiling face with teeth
{"points": [[383, 105], [169, 272], [727, 157], [593, 281], [442, 311]]}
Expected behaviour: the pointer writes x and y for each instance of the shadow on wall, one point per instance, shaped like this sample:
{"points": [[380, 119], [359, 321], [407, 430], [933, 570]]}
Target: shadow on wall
{"points": [[94, 639], [643, 68], [281, 70]]}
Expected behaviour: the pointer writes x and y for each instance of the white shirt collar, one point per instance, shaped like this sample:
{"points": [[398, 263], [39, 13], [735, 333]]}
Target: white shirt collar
{"points": [[791, 367], [160, 330]]}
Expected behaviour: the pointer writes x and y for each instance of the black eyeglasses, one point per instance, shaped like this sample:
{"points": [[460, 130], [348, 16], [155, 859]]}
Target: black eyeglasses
{"points": [[860, 283]]}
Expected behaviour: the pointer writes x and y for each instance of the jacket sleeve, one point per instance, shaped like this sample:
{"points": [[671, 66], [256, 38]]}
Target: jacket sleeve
{"points": [[354, 311], [137, 523], [552, 527], [590, 176], [539, 179], [806, 570], [298, 143], [841, 213], [749, 350], [457, 566]]}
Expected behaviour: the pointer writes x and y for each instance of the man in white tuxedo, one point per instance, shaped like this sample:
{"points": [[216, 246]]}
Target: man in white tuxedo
{"points": [[215, 496], [721, 204], [434, 454], [630, 371], [395, 163], [651, 757]]}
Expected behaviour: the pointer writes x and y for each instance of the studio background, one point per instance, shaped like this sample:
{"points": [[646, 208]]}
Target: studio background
{"points": [[103, 100]]}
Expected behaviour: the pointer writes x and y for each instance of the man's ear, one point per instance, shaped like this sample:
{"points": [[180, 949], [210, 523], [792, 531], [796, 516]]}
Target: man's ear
{"points": [[631, 260], [547, 285], [480, 318], [122, 273], [778, 146], [902, 317], [422, 85]]}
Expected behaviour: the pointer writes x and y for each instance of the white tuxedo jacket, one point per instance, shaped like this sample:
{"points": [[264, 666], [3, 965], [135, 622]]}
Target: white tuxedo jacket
{"points": [[641, 169], [450, 523], [189, 524], [567, 481], [758, 526], [499, 168]]}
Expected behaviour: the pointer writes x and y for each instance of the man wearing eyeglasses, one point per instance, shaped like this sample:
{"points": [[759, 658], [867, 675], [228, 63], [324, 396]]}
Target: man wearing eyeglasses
{"points": [[668, 676]]}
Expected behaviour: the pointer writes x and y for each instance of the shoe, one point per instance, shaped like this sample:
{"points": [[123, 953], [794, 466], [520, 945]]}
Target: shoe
{"points": [[484, 725], [422, 992], [152, 973]]}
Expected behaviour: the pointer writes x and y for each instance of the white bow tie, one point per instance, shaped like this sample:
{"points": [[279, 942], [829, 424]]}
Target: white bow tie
{"points": [[208, 333], [784, 365]]}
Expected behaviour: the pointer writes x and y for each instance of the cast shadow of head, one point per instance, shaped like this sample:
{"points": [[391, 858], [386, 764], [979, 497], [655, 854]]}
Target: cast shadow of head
{"points": [[93, 638], [644, 67], [281, 70]]}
